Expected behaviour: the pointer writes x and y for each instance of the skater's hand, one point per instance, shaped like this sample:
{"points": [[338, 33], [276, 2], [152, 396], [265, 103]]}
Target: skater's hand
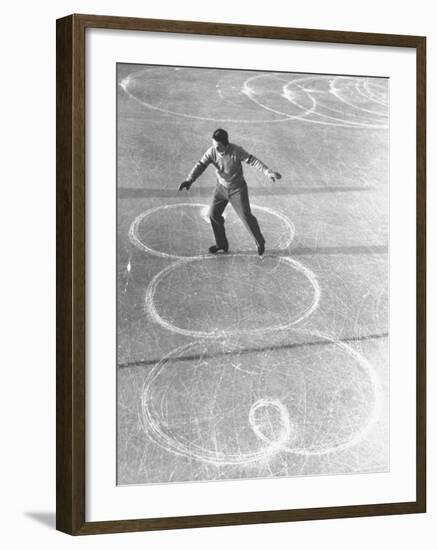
{"points": [[185, 185], [273, 176]]}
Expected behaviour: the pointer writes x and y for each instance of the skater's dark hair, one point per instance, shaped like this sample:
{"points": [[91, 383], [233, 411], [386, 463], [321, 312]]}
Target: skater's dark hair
{"points": [[221, 136]]}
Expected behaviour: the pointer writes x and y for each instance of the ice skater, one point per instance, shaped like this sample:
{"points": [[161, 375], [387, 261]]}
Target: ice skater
{"points": [[231, 187]]}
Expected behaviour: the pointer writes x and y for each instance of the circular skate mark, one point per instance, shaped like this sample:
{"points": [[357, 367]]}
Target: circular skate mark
{"points": [[267, 97], [193, 425], [270, 93], [378, 93], [347, 93], [188, 94], [188, 233], [237, 294], [316, 398], [339, 101], [339, 399], [261, 422]]}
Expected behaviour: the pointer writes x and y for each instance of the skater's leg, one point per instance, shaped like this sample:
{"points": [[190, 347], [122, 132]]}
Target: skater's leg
{"points": [[239, 199], [216, 209]]}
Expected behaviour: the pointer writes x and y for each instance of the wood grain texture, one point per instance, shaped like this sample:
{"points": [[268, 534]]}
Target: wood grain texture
{"points": [[64, 411], [248, 31], [71, 274], [70, 278], [421, 275]]}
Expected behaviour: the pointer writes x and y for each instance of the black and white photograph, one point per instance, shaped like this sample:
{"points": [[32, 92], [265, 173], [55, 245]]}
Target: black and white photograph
{"points": [[252, 274]]}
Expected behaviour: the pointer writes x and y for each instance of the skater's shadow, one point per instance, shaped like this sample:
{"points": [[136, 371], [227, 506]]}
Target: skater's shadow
{"points": [[255, 191], [322, 250]]}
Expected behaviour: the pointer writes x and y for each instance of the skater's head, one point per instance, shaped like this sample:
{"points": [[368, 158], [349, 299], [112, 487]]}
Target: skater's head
{"points": [[220, 140]]}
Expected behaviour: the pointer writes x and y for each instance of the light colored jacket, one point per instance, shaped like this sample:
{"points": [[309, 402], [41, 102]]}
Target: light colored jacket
{"points": [[228, 166]]}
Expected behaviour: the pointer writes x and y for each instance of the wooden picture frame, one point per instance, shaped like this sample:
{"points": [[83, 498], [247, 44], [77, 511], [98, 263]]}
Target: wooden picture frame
{"points": [[71, 284]]}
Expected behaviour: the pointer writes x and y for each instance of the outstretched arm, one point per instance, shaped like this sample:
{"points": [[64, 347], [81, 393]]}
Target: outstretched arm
{"points": [[259, 165], [197, 170]]}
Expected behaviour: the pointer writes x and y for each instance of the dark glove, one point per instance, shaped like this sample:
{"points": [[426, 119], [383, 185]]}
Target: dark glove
{"points": [[185, 185], [273, 176]]}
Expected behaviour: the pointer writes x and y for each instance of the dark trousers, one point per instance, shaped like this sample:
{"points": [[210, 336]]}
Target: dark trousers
{"points": [[239, 198]]}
